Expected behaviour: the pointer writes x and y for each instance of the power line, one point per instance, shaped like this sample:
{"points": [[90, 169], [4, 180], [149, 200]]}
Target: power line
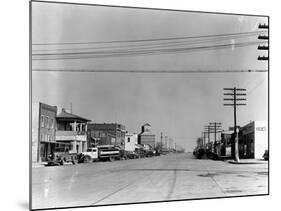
{"points": [[148, 50], [143, 71], [161, 44], [149, 40], [255, 87], [104, 54]]}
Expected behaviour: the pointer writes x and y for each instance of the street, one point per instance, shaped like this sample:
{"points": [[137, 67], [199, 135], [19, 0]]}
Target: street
{"points": [[168, 177]]}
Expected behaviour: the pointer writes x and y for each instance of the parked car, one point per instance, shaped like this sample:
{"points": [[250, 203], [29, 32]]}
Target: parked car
{"points": [[132, 155], [200, 152], [62, 156], [140, 152], [265, 155], [149, 153]]}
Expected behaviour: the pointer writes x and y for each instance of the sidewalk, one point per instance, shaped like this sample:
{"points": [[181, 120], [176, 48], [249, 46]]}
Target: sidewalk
{"points": [[248, 161], [38, 164]]}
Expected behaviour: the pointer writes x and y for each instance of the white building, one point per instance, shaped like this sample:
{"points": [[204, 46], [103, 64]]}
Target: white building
{"points": [[130, 141], [253, 139]]}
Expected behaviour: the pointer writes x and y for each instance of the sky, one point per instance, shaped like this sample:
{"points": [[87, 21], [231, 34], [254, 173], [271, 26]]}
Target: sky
{"points": [[177, 104]]}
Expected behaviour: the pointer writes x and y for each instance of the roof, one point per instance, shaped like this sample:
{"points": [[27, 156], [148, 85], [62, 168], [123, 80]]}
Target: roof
{"points": [[147, 133], [65, 116]]}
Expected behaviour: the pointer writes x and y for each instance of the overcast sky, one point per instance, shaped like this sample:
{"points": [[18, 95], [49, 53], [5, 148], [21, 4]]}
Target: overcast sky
{"points": [[177, 104]]}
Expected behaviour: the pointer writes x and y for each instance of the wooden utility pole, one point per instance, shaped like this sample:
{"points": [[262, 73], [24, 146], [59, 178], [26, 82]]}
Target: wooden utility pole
{"points": [[216, 128], [161, 137], [207, 130], [235, 92], [213, 127]]}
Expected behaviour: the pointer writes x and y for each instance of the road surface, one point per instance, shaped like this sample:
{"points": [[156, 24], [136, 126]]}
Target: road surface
{"points": [[168, 177]]}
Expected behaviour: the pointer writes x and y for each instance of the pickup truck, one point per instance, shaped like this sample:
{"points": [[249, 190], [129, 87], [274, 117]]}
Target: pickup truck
{"points": [[62, 156], [104, 152]]}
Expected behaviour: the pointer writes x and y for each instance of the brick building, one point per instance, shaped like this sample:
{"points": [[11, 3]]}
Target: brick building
{"points": [[106, 134], [43, 131]]}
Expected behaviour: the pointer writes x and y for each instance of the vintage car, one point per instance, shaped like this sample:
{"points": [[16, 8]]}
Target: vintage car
{"points": [[62, 156]]}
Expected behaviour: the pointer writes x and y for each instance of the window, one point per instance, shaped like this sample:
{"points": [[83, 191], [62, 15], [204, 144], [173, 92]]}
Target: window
{"points": [[47, 122], [42, 121], [52, 123], [128, 139]]}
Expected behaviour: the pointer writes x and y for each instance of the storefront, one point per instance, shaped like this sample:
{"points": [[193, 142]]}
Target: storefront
{"points": [[253, 139]]}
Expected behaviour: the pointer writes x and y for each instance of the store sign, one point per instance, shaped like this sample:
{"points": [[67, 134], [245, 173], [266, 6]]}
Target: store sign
{"points": [[260, 128]]}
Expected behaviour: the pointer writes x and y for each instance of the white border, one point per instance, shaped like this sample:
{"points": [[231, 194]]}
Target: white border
{"points": [[14, 103]]}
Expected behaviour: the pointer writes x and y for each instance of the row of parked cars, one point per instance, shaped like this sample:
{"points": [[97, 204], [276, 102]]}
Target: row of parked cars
{"points": [[99, 153]]}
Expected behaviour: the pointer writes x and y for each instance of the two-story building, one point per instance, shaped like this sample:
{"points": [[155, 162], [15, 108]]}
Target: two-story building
{"points": [[43, 137], [106, 134], [71, 131]]}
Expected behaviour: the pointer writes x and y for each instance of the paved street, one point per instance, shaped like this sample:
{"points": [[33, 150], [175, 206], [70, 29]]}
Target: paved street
{"points": [[168, 177]]}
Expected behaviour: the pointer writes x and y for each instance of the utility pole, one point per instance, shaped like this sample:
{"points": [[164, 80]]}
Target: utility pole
{"points": [[213, 127], [207, 129], [216, 128], [234, 99], [161, 137], [263, 47], [203, 138]]}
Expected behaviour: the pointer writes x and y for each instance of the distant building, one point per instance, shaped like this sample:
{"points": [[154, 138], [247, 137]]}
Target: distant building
{"points": [[43, 131], [130, 141], [146, 136], [106, 134], [71, 131]]}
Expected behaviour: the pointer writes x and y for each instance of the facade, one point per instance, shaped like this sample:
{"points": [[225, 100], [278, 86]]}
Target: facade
{"points": [[43, 131], [130, 141], [71, 131], [253, 140], [106, 134], [146, 136]]}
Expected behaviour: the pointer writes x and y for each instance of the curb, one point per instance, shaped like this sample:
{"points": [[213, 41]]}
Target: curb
{"points": [[250, 162]]}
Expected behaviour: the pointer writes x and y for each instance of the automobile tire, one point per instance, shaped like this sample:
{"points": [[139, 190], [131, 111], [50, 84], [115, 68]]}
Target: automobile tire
{"points": [[87, 159]]}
